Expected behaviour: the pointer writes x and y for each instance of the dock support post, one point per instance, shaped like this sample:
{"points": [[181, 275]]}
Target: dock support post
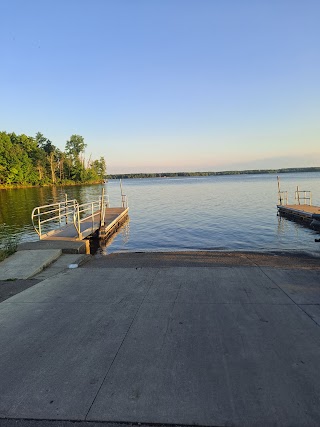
{"points": [[279, 192]]}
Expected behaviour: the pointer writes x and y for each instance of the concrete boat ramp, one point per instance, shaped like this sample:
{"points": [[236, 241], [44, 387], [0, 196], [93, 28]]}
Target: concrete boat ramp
{"points": [[203, 338]]}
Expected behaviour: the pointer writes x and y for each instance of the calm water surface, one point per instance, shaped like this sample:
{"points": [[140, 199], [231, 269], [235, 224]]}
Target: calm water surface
{"points": [[208, 213]]}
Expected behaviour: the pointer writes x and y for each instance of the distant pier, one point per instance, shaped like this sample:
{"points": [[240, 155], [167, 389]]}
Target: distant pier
{"points": [[302, 210]]}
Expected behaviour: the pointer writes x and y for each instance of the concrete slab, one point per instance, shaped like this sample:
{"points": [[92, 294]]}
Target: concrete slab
{"points": [[25, 264], [90, 286], [208, 364], [66, 246], [212, 346], [9, 288], [302, 288], [54, 357], [216, 285], [62, 264], [313, 311]]}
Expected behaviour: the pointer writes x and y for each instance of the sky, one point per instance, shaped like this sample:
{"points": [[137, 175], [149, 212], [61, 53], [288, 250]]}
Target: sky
{"points": [[169, 85]]}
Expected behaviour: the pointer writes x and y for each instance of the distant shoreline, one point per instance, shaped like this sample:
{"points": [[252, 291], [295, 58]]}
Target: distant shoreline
{"points": [[165, 175], [194, 174]]}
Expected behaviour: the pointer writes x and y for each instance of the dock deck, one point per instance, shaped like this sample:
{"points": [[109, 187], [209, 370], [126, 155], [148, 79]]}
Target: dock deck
{"points": [[66, 225], [88, 226], [301, 209], [307, 214]]}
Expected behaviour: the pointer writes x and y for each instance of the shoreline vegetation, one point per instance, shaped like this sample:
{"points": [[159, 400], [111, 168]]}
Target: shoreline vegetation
{"points": [[220, 173], [8, 244], [27, 161]]}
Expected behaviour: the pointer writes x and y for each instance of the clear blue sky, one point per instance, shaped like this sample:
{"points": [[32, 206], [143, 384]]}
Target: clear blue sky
{"points": [[166, 85]]}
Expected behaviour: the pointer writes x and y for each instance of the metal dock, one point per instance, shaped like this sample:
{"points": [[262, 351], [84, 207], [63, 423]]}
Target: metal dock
{"points": [[71, 221]]}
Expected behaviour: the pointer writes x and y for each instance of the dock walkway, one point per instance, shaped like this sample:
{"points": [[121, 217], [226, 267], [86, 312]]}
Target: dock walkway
{"points": [[88, 226]]}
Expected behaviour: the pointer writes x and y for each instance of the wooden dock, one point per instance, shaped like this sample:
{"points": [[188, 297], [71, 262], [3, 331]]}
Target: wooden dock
{"points": [[302, 211], [306, 214]]}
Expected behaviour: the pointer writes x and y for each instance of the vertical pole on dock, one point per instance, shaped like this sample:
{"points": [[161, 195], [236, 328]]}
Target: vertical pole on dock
{"points": [[39, 222], [279, 193], [66, 206], [92, 216], [298, 195], [102, 209], [121, 193]]}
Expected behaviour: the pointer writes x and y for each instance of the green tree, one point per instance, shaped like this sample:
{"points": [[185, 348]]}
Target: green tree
{"points": [[100, 167], [36, 160], [75, 146]]}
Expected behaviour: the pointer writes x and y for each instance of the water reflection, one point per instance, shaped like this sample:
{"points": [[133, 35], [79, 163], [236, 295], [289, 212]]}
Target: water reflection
{"points": [[123, 233]]}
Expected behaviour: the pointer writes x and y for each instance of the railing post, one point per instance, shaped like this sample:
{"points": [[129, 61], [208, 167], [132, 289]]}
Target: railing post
{"points": [[121, 193], [79, 225], [66, 206], [39, 223], [92, 216], [298, 195], [102, 209], [59, 210]]}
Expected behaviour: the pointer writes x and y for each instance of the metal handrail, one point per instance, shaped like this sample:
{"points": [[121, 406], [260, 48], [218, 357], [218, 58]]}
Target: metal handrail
{"points": [[104, 203], [84, 212], [304, 198], [62, 212], [54, 212], [124, 200], [282, 198]]}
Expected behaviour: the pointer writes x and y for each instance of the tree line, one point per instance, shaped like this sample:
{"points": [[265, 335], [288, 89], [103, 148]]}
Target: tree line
{"points": [[186, 174], [27, 160]]}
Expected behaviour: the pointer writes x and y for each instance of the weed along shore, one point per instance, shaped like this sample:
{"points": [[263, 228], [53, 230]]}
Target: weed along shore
{"points": [[189, 338]]}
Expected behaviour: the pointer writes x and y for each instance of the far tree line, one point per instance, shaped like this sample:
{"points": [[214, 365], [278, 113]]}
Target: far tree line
{"points": [[195, 174], [27, 160]]}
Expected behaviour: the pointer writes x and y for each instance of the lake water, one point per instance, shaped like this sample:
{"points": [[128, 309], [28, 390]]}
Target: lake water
{"points": [[236, 212]]}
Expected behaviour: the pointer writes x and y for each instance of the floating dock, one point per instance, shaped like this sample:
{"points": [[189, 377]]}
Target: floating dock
{"points": [[302, 211], [69, 221], [306, 214], [114, 217]]}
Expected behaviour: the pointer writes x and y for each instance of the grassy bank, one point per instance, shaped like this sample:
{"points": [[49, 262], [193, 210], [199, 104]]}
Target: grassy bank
{"points": [[8, 243]]}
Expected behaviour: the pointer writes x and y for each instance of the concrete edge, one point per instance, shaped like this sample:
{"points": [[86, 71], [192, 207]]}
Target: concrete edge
{"points": [[45, 264]]}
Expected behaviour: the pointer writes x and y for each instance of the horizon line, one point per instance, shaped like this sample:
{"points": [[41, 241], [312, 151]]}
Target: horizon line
{"points": [[235, 171]]}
